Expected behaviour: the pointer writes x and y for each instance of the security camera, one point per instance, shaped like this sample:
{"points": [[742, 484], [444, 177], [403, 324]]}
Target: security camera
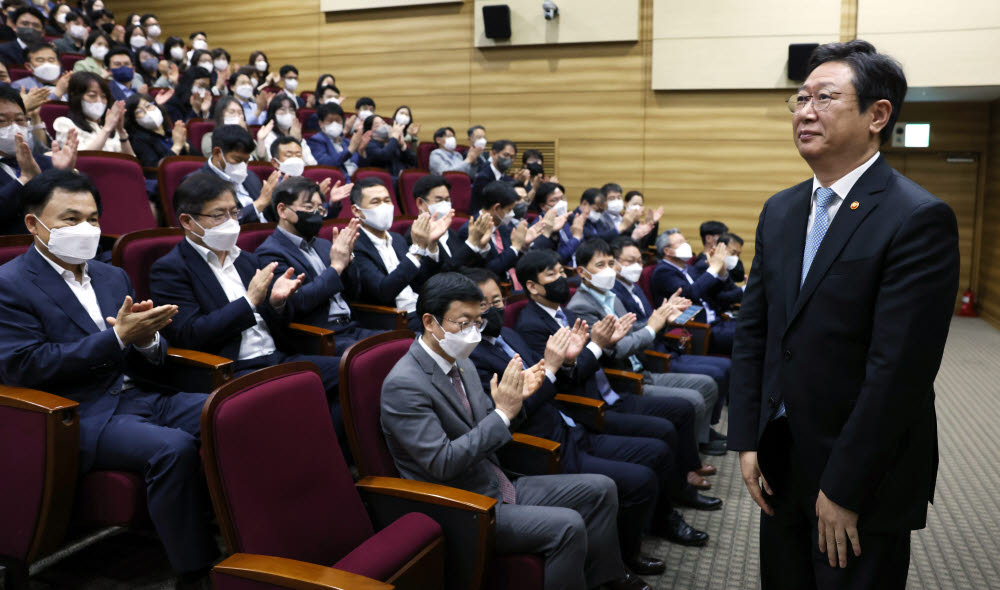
{"points": [[550, 9]]}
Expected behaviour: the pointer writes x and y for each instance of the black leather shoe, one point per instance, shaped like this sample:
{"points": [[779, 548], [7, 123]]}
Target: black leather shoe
{"points": [[675, 530], [713, 447], [713, 434], [629, 582], [645, 565], [690, 498]]}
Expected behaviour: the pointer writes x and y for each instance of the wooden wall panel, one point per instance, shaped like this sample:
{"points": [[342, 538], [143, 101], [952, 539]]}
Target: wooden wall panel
{"points": [[989, 268], [400, 30]]}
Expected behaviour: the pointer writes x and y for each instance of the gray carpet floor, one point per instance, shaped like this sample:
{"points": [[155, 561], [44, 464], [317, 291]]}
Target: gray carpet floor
{"points": [[959, 549]]}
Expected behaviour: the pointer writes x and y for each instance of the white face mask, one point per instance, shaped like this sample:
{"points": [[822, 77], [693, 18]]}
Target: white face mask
{"points": [[333, 100], [244, 91], [137, 42], [152, 119], [635, 207], [177, 53], [364, 114], [508, 218], [594, 216], [75, 244], [291, 84], [684, 252], [200, 44], [221, 238], [232, 120], [615, 206], [632, 272], [459, 346], [153, 30], [334, 129], [261, 65], [731, 262], [199, 91], [220, 64], [379, 218], [236, 172], [561, 207], [7, 143], [439, 209], [450, 143], [78, 32], [480, 143], [93, 110], [403, 119], [47, 72], [284, 120], [206, 65], [603, 280], [98, 51], [292, 166]]}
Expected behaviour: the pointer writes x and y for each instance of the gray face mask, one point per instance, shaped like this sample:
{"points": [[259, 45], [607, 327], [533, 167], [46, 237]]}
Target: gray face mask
{"points": [[381, 134], [503, 164]]}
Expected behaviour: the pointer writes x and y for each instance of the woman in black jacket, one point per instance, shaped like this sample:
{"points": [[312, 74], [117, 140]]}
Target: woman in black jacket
{"points": [[154, 136]]}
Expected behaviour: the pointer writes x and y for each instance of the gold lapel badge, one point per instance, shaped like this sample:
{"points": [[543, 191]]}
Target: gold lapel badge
{"points": [[855, 205]]}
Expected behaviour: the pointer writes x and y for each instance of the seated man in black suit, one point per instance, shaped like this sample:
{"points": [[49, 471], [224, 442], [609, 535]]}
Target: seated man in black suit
{"points": [[710, 232], [389, 272], [730, 294], [230, 303], [674, 273], [501, 159], [321, 300], [433, 196], [29, 24], [232, 148]]}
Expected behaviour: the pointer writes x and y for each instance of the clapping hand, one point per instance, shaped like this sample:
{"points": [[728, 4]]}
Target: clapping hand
{"points": [[622, 327], [138, 323], [342, 247], [481, 230], [555, 348], [578, 338], [284, 286], [509, 392]]}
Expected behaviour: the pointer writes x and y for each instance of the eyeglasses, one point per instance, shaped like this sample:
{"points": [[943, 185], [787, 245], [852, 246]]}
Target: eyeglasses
{"points": [[309, 210], [465, 327], [22, 121], [821, 101], [221, 217]]}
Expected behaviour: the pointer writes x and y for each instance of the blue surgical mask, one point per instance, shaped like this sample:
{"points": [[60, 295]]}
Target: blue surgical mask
{"points": [[123, 75]]}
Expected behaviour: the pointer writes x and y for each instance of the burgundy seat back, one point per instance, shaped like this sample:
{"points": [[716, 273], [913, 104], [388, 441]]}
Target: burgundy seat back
{"points": [[51, 111], [18, 73], [13, 246], [382, 175], [461, 191], [424, 150], [401, 224], [22, 460], [68, 60], [173, 169], [318, 174], [326, 232], [645, 280], [460, 219], [262, 169], [513, 306], [363, 368], [196, 129], [122, 185], [279, 482], [136, 252], [407, 179], [253, 235], [303, 115]]}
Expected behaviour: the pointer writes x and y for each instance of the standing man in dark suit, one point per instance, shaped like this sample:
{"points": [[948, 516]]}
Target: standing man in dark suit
{"points": [[839, 339], [501, 159], [440, 426], [232, 148]]}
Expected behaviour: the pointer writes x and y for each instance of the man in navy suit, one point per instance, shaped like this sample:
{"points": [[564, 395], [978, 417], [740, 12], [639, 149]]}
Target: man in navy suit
{"points": [[673, 273], [329, 146], [322, 298], [232, 148], [389, 272], [433, 196], [632, 461], [69, 326], [230, 303], [122, 68], [730, 294], [29, 24], [561, 235], [839, 339], [501, 159]]}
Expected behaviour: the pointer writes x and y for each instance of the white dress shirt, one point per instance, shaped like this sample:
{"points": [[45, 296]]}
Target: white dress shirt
{"points": [[256, 340], [446, 368], [407, 298], [591, 346], [242, 195], [842, 187]]}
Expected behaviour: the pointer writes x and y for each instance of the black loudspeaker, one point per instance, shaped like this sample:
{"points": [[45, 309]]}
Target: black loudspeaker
{"points": [[496, 21], [798, 59]]}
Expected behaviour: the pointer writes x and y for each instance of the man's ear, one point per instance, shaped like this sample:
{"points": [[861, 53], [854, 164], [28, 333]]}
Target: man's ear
{"points": [[428, 322], [880, 111], [275, 163]]}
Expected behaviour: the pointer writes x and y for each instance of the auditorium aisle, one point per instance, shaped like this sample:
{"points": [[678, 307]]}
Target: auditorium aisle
{"points": [[960, 545]]}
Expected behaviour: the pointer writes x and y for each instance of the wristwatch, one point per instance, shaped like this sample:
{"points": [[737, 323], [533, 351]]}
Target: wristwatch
{"points": [[415, 249]]}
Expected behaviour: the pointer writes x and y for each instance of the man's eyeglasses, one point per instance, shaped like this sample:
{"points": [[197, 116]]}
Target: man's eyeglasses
{"points": [[821, 101], [466, 327], [22, 121], [221, 217], [309, 210]]}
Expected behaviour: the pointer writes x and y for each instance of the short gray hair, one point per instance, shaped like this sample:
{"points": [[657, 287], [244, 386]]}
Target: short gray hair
{"points": [[663, 240]]}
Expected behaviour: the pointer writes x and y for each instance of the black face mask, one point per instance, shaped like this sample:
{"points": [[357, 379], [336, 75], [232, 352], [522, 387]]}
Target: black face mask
{"points": [[308, 224], [520, 209], [494, 321], [558, 291], [29, 35], [503, 164]]}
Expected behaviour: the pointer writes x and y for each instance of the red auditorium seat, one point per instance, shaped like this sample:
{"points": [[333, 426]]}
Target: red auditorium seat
{"points": [[424, 150], [136, 252], [263, 170], [196, 130], [326, 232], [461, 191], [13, 246], [51, 111], [252, 235], [304, 95], [283, 493], [172, 171], [18, 73], [122, 184], [381, 174], [460, 219], [513, 306], [644, 280], [407, 180], [303, 115], [68, 60], [401, 224], [318, 174], [363, 368]]}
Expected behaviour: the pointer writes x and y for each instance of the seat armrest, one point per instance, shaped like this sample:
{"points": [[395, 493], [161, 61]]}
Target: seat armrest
{"points": [[583, 410], [308, 339], [280, 572], [191, 370], [531, 455], [625, 381], [657, 362], [32, 400], [681, 338], [379, 317], [700, 335], [468, 520]]}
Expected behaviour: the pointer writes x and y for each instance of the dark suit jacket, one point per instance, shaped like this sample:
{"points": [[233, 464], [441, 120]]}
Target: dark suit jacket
{"points": [[854, 352], [253, 184], [484, 176], [206, 319], [378, 285], [11, 216], [12, 55], [116, 92], [49, 342], [641, 312], [461, 254], [311, 303], [498, 262], [667, 278], [326, 155], [389, 156], [728, 294]]}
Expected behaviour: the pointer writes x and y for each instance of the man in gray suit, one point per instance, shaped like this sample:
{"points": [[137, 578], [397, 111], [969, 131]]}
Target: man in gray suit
{"points": [[441, 427]]}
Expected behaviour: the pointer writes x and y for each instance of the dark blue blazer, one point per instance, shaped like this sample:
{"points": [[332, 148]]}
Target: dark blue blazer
{"points": [[253, 185], [49, 342], [311, 303], [11, 216], [12, 55], [378, 285], [667, 278], [641, 313], [323, 150], [461, 254], [389, 156], [116, 92], [561, 242], [728, 294], [484, 176], [498, 262], [599, 229], [206, 320]]}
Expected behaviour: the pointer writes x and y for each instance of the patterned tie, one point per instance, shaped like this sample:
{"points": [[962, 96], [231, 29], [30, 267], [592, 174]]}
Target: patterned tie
{"points": [[821, 223], [561, 318], [507, 491]]}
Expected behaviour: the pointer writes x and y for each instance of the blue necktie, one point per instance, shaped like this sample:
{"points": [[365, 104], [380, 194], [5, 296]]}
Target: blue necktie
{"points": [[821, 223], [561, 318]]}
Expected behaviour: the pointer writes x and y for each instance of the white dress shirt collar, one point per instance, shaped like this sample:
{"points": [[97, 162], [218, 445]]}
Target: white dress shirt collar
{"points": [[843, 186], [496, 171], [438, 359], [62, 272], [210, 256]]}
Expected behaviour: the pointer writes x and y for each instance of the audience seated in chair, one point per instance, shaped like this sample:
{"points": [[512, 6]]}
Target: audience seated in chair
{"points": [[74, 39], [43, 63], [329, 146], [282, 121], [447, 158], [29, 24], [387, 148], [232, 147], [98, 120], [499, 162], [151, 133], [558, 235], [432, 195]]}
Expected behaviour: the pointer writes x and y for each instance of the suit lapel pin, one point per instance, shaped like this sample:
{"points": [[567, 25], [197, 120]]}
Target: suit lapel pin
{"points": [[855, 205]]}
